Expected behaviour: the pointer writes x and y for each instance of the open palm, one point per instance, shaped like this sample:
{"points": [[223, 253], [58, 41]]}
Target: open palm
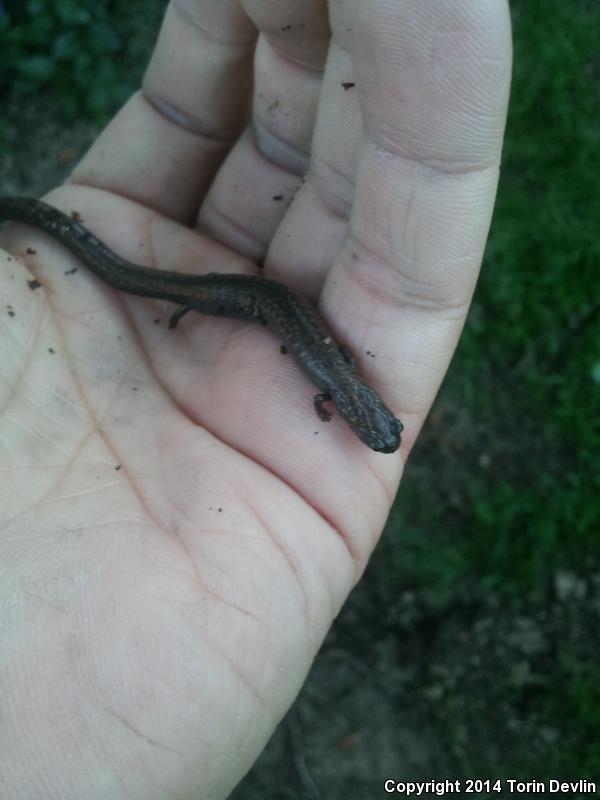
{"points": [[177, 527]]}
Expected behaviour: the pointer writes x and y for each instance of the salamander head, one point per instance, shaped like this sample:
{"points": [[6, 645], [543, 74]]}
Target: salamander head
{"points": [[368, 416]]}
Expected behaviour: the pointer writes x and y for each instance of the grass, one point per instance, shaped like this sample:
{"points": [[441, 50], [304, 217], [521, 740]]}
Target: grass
{"points": [[88, 54]]}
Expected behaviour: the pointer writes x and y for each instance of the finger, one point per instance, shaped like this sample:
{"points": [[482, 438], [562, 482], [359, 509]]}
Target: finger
{"points": [[257, 182], [163, 148], [432, 78], [320, 212]]}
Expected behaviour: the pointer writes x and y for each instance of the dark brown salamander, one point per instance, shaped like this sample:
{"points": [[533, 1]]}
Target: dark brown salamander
{"points": [[289, 315]]}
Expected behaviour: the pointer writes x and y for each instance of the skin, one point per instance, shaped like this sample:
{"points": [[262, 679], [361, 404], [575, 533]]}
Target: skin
{"points": [[173, 547]]}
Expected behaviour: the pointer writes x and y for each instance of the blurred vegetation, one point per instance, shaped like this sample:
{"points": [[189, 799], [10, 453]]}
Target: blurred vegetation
{"points": [[502, 494], [87, 53]]}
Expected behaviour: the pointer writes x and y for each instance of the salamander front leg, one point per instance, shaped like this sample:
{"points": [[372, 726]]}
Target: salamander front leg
{"points": [[177, 315], [323, 413]]}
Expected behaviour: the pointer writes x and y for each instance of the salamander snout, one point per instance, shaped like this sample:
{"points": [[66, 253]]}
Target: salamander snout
{"points": [[384, 436], [369, 417], [389, 440]]}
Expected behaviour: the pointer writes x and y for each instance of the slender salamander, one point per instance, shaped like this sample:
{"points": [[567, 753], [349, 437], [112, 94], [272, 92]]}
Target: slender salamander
{"points": [[289, 315]]}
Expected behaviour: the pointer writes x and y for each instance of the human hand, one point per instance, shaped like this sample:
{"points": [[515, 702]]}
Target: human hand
{"points": [[175, 540]]}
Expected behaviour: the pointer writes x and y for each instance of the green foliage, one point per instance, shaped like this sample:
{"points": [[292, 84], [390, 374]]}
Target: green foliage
{"points": [[579, 704], [72, 48], [539, 294], [542, 258]]}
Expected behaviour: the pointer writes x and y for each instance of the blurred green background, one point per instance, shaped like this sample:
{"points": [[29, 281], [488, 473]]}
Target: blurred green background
{"points": [[471, 646]]}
